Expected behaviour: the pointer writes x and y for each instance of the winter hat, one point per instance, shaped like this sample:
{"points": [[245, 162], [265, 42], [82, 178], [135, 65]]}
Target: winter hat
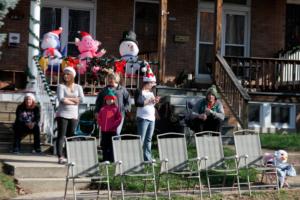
{"points": [[70, 69], [84, 34], [30, 95], [129, 36], [213, 90], [149, 76], [56, 32], [110, 95]]}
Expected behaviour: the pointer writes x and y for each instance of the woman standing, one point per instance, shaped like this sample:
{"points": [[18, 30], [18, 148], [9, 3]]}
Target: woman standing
{"points": [[69, 95], [145, 101], [27, 121]]}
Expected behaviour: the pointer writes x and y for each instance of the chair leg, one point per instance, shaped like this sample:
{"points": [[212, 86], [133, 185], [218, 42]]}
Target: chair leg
{"points": [[238, 183], [168, 185], [248, 180], [66, 188], [200, 184], [208, 184], [122, 187], [74, 189], [154, 181], [98, 191]]}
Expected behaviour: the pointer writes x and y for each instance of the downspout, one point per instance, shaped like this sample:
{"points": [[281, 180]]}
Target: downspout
{"points": [[33, 43]]}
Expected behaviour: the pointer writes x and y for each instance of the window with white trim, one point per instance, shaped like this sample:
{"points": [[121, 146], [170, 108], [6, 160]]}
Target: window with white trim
{"points": [[72, 16]]}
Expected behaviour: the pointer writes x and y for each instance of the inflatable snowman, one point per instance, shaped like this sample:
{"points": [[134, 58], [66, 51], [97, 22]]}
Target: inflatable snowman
{"points": [[51, 48], [129, 50]]}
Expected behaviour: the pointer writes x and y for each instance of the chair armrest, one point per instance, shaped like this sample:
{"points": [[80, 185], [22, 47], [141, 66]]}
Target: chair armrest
{"points": [[104, 163], [245, 156], [71, 164], [199, 158], [235, 157]]}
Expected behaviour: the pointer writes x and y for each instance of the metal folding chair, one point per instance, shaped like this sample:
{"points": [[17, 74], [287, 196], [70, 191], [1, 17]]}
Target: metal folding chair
{"points": [[212, 161], [128, 156], [174, 159], [248, 149], [83, 164]]}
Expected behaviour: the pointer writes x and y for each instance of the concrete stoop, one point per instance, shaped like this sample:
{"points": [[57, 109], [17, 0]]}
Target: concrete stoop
{"points": [[37, 173]]}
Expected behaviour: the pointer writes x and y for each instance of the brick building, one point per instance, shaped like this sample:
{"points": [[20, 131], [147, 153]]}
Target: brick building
{"points": [[250, 28]]}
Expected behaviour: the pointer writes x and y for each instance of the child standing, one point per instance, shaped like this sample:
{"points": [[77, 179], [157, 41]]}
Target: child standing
{"points": [[109, 118]]}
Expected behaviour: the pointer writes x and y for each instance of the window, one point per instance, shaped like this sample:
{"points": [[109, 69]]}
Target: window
{"points": [[280, 114], [72, 17], [271, 116], [146, 25], [235, 35], [206, 43], [254, 113]]}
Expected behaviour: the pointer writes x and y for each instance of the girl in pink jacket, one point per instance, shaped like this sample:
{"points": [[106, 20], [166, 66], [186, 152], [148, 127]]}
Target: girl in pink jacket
{"points": [[109, 118]]}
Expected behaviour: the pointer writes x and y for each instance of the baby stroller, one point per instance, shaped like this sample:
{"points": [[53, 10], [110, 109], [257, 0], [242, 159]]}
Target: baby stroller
{"points": [[86, 125]]}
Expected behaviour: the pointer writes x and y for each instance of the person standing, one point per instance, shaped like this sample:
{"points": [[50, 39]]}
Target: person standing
{"points": [[122, 101], [109, 118], [69, 95], [210, 112], [27, 121], [145, 101]]}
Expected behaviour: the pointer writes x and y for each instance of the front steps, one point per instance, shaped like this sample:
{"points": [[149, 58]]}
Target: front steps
{"points": [[37, 173]]}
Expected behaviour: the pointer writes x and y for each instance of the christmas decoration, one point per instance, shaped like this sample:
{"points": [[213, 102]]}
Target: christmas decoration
{"points": [[51, 49], [129, 50], [88, 48]]}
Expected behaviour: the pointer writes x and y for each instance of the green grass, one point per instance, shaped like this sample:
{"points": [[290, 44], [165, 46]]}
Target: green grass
{"points": [[7, 185], [289, 142]]}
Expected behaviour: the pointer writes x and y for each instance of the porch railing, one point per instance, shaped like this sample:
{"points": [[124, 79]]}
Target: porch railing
{"points": [[232, 91], [266, 74], [92, 83], [47, 109]]}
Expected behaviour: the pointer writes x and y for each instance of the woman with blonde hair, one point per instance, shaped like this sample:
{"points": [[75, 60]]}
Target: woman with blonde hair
{"points": [[69, 95]]}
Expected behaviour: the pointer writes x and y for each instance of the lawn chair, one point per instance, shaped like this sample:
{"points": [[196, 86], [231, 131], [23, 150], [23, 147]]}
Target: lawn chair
{"points": [[210, 150], [173, 156], [248, 148], [83, 164], [129, 160]]}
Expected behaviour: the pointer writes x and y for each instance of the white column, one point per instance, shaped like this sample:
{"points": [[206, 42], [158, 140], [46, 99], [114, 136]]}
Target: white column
{"points": [[35, 12]]}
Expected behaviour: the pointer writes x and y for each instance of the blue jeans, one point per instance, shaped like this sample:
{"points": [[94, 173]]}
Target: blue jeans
{"points": [[145, 129]]}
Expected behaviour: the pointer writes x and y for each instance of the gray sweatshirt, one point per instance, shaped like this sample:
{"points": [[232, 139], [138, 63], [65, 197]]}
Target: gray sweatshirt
{"points": [[68, 111]]}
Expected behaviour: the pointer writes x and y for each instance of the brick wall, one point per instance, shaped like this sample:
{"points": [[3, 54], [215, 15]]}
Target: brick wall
{"points": [[181, 55], [15, 58], [113, 17], [267, 27]]}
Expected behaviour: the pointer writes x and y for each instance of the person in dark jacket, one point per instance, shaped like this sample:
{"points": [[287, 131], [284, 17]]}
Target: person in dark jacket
{"points": [[27, 121], [122, 101], [208, 113]]}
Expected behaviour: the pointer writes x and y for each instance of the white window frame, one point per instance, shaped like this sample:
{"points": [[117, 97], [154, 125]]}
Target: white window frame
{"points": [[65, 6], [227, 8], [265, 117]]}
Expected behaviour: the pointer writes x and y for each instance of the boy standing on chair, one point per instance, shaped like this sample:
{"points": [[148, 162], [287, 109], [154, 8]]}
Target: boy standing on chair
{"points": [[109, 118]]}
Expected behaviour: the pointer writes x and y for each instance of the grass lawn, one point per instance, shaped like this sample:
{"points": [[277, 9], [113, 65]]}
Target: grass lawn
{"points": [[7, 185], [288, 142]]}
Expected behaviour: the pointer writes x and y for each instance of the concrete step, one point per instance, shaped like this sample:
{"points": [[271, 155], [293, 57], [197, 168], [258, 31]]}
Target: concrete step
{"points": [[7, 116], [6, 147], [8, 106], [35, 185], [22, 170]]}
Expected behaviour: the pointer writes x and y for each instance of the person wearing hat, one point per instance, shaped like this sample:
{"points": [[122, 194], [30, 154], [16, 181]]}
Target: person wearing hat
{"points": [[145, 101], [109, 118], [69, 96], [122, 101], [210, 112], [27, 121]]}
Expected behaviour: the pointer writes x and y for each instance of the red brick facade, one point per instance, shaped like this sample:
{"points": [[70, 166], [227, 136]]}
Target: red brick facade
{"points": [[267, 27]]}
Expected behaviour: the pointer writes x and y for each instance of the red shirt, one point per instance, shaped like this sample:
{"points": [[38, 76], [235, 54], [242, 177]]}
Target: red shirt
{"points": [[109, 118]]}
